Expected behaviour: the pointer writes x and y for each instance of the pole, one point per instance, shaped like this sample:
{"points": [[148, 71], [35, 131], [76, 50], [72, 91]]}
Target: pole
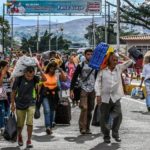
{"points": [[105, 22], [94, 40], [3, 28], [108, 37], [56, 36], [118, 24], [49, 32], [12, 31], [37, 34]]}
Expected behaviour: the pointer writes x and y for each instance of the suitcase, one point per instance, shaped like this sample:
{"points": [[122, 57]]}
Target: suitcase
{"points": [[98, 56], [63, 112]]}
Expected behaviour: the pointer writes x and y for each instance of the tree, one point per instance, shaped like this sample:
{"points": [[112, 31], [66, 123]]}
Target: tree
{"points": [[4, 25], [44, 42], [136, 15], [100, 34]]}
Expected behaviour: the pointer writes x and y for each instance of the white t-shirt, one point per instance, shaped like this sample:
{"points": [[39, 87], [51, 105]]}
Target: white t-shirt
{"points": [[146, 71]]}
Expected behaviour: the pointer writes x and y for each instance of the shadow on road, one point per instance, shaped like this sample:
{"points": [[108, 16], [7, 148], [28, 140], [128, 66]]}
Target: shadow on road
{"points": [[42, 138], [11, 148], [104, 146], [82, 138], [141, 112], [40, 129]]}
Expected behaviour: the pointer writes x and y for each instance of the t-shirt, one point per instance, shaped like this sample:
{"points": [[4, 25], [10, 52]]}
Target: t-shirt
{"points": [[26, 94], [51, 81], [7, 83], [146, 71]]}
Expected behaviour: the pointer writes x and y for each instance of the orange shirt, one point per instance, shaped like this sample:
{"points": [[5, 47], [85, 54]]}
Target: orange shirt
{"points": [[51, 82]]}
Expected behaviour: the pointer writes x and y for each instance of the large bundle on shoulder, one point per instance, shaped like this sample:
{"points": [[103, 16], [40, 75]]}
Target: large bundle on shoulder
{"points": [[100, 56], [21, 65]]}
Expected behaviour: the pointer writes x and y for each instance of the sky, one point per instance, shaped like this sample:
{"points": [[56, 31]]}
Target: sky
{"points": [[58, 19]]}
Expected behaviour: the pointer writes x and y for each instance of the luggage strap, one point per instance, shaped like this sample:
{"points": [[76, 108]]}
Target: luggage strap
{"points": [[88, 75]]}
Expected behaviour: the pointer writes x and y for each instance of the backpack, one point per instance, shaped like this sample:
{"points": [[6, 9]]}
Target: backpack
{"points": [[36, 90]]}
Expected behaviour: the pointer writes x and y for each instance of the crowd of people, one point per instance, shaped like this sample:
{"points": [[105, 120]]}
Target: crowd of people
{"points": [[43, 85]]}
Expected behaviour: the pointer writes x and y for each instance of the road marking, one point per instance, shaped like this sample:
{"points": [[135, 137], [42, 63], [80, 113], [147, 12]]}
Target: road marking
{"points": [[133, 100]]}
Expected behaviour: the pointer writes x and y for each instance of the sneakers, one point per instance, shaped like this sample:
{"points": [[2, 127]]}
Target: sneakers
{"points": [[20, 141], [48, 131], [29, 144]]}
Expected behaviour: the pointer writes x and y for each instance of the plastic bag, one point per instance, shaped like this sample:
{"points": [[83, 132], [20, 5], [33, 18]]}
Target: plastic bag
{"points": [[96, 116], [137, 93], [10, 132], [21, 65]]}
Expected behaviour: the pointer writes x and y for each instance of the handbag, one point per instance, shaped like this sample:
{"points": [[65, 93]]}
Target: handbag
{"points": [[10, 132], [66, 84], [37, 113], [96, 116]]}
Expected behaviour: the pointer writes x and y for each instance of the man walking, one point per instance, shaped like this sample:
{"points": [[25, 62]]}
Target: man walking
{"points": [[23, 99], [87, 95], [109, 91]]}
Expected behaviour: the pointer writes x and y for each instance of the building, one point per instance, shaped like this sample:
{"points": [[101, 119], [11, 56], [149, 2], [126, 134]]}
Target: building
{"points": [[141, 42]]}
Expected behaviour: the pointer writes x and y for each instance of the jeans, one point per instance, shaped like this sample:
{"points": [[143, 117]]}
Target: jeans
{"points": [[147, 86], [2, 113], [48, 113]]}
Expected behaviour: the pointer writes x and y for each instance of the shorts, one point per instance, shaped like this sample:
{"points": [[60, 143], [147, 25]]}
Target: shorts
{"points": [[21, 116]]}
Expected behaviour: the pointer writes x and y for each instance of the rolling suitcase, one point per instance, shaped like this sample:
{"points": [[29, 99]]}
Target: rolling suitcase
{"points": [[63, 112]]}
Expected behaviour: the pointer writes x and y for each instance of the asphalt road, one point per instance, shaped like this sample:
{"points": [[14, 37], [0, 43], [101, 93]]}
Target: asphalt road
{"points": [[134, 132]]}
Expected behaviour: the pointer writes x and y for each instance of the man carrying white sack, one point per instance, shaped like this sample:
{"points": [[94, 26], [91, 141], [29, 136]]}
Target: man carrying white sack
{"points": [[109, 91], [22, 63]]}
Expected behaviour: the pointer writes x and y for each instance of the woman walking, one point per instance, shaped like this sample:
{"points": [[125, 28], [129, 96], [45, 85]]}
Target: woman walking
{"points": [[49, 93], [3, 95]]}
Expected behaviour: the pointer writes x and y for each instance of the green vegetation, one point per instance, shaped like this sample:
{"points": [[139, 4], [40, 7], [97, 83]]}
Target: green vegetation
{"points": [[100, 34], [31, 43]]}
